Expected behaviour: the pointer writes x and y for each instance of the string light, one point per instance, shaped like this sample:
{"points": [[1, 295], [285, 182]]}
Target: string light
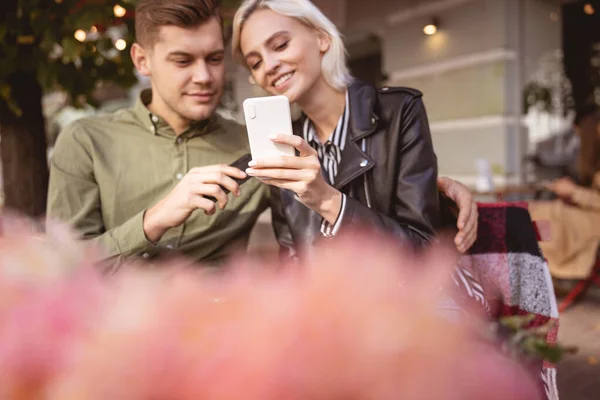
{"points": [[93, 29], [119, 11], [430, 29], [588, 9], [80, 35], [120, 44]]}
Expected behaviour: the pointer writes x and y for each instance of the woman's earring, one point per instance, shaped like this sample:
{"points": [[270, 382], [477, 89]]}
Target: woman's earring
{"points": [[251, 80]]}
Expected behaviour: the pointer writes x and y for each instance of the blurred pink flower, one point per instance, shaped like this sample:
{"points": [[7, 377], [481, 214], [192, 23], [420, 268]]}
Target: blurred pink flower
{"points": [[359, 320]]}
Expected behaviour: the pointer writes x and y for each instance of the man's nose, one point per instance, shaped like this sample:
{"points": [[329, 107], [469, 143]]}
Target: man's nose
{"points": [[202, 74]]}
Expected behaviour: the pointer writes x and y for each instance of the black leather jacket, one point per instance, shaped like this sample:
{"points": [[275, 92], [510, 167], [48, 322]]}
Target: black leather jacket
{"points": [[388, 172]]}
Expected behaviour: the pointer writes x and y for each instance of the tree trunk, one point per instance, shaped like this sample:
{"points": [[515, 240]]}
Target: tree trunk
{"points": [[23, 149]]}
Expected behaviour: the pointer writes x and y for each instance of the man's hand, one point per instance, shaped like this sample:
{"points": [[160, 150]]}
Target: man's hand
{"points": [[467, 212], [189, 195]]}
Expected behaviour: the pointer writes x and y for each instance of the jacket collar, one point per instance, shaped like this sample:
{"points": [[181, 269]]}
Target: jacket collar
{"points": [[363, 122], [363, 107]]}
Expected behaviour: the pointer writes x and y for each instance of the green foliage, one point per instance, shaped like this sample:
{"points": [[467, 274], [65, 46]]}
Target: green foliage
{"points": [[523, 340], [37, 38], [536, 94]]}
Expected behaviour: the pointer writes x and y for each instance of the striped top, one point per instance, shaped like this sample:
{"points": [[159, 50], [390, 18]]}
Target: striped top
{"points": [[330, 155], [330, 152]]}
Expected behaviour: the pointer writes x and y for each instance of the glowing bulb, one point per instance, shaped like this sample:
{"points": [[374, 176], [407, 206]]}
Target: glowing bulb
{"points": [[93, 29], [120, 44], [80, 35], [430, 29], [119, 11], [588, 9]]}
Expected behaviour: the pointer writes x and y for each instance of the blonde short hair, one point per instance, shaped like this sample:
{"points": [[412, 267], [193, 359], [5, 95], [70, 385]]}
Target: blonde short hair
{"points": [[335, 70]]}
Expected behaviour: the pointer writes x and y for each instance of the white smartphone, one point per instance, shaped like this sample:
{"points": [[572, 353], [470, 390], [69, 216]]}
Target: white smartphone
{"points": [[266, 116]]}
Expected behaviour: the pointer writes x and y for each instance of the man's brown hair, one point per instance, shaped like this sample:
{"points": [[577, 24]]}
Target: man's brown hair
{"points": [[151, 15]]}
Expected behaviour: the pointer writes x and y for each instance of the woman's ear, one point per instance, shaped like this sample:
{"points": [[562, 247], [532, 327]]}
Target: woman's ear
{"points": [[324, 41]]}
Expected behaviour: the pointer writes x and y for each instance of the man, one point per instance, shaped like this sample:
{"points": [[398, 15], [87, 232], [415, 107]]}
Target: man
{"points": [[135, 182]]}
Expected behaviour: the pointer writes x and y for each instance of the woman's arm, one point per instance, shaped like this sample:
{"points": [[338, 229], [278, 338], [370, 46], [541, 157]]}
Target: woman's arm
{"points": [[581, 196], [414, 216], [415, 209], [586, 198]]}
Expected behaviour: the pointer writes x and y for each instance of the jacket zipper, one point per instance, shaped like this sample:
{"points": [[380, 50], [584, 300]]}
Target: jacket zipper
{"points": [[366, 176]]}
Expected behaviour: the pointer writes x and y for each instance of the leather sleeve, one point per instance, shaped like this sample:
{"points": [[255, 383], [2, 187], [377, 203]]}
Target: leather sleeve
{"points": [[448, 212], [287, 250], [414, 215]]}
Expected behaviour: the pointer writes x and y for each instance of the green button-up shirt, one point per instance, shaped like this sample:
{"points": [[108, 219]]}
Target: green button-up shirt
{"points": [[107, 170]]}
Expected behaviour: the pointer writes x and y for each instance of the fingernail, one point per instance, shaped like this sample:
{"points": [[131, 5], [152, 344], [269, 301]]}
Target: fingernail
{"points": [[273, 137], [252, 163], [249, 171]]}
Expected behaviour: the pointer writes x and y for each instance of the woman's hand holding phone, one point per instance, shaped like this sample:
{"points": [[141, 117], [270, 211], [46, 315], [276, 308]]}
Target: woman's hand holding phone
{"points": [[300, 174]]}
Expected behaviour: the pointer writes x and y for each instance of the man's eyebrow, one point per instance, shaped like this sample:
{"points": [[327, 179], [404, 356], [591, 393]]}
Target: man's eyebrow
{"points": [[268, 42], [181, 53], [217, 52], [178, 53]]}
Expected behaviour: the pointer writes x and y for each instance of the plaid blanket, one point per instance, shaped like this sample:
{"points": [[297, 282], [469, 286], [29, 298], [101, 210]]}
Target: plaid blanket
{"points": [[506, 273]]}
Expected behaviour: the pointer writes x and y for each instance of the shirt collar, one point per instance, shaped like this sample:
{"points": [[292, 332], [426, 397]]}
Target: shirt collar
{"points": [[156, 125], [313, 140]]}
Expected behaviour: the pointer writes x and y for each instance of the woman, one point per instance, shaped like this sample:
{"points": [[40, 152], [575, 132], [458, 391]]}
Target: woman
{"points": [[575, 217], [365, 155]]}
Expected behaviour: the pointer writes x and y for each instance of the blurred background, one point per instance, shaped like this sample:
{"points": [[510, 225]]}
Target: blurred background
{"points": [[499, 77], [502, 81]]}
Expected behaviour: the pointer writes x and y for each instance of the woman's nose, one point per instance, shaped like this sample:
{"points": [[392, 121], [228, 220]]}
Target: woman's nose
{"points": [[272, 64]]}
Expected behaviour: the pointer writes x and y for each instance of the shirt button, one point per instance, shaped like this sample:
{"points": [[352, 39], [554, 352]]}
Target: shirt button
{"points": [[154, 118], [152, 128], [170, 246], [179, 176], [179, 140], [373, 121], [146, 255], [364, 163]]}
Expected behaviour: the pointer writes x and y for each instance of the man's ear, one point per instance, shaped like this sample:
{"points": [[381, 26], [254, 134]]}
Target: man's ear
{"points": [[140, 58], [324, 41]]}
